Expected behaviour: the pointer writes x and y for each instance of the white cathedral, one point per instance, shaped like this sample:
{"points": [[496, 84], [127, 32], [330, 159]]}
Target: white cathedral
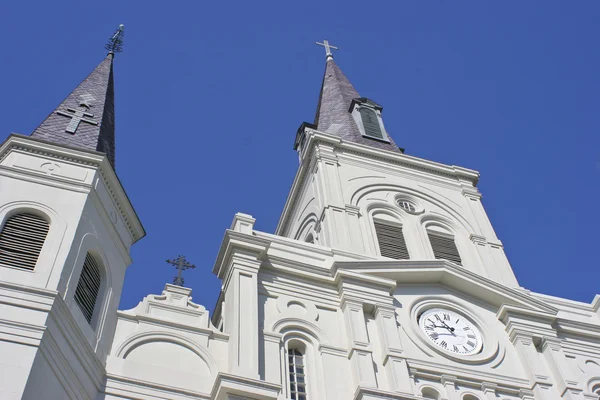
{"points": [[383, 280]]}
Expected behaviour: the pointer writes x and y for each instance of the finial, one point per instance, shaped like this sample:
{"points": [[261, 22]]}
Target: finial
{"points": [[115, 43], [328, 48], [181, 264]]}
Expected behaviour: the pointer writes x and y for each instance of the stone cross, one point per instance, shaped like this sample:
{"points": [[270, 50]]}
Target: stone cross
{"points": [[77, 115], [328, 48], [181, 264]]}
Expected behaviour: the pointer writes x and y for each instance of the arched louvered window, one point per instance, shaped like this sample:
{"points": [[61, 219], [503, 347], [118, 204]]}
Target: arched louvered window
{"points": [[444, 247], [21, 240], [296, 370], [391, 241], [86, 294], [371, 123]]}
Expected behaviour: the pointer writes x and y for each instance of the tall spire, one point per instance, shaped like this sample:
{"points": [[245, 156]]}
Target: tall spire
{"points": [[334, 108], [86, 118]]}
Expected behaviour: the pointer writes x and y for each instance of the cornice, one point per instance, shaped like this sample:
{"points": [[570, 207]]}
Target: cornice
{"points": [[314, 137], [145, 389], [365, 393], [169, 323], [93, 159], [228, 384], [447, 273], [464, 376], [245, 243]]}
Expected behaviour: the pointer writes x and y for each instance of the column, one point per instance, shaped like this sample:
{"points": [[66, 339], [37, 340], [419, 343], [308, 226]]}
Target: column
{"points": [[394, 361]]}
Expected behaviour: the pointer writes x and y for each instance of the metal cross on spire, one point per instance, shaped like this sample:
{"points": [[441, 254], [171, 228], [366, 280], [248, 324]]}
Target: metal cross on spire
{"points": [[328, 48], [115, 43], [181, 264]]}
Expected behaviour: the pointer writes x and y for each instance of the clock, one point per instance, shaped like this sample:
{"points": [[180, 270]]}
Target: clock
{"points": [[450, 331]]}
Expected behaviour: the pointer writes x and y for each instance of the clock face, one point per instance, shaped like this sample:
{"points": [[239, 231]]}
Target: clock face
{"points": [[451, 331]]}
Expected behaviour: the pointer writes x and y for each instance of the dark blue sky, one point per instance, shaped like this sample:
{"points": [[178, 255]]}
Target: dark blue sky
{"points": [[209, 96]]}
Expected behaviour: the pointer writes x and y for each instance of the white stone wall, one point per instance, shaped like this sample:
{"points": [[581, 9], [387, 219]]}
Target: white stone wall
{"points": [[49, 344]]}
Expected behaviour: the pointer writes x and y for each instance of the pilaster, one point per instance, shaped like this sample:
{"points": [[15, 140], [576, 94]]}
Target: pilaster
{"points": [[449, 383], [566, 382], [394, 361], [359, 351], [489, 390], [272, 357], [237, 265]]}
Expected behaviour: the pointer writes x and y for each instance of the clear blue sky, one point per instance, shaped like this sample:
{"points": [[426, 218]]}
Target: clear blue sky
{"points": [[209, 96]]}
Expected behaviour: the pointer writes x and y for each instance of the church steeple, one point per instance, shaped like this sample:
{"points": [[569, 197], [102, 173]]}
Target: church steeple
{"points": [[86, 117], [339, 110]]}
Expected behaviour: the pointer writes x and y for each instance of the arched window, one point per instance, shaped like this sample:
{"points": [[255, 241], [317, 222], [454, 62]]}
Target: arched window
{"points": [[310, 238], [430, 393], [371, 123], [470, 397], [296, 368], [21, 240], [443, 245], [88, 287], [391, 240]]}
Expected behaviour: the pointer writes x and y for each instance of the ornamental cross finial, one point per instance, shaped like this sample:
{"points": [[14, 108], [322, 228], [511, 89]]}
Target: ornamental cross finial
{"points": [[79, 114], [181, 264], [115, 43], [328, 48]]}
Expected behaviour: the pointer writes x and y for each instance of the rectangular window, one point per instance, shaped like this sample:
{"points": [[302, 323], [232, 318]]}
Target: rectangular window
{"points": [[370, 123], [444, 248], [391, 241], [88, 287], [297, 375]]}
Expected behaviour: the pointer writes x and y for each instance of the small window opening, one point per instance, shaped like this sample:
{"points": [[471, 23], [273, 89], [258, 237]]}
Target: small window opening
{"points": [[407, 205], [88, 287], [371, 123], [297, 375], [391, 241], [444, 248], [21, 240]]}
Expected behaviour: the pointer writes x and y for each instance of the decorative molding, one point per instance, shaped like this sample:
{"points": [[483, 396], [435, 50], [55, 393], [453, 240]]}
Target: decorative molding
{"points": [[88, 158], [314, 138]]}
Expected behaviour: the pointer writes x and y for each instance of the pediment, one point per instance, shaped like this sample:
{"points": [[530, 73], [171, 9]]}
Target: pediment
{"points": [[445, 273]]}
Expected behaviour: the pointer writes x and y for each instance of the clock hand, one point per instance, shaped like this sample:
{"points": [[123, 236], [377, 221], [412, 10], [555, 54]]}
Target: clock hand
{"points": [[447, 327]]}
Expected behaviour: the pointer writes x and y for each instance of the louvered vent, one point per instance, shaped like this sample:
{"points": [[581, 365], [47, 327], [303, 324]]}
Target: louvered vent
{"points": [[371, 123], [88, 287], [391, 241], [444, 248], [21, 240]]}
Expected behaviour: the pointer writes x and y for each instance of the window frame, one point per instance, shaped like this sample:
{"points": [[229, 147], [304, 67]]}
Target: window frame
{"points": [[357, 115]]}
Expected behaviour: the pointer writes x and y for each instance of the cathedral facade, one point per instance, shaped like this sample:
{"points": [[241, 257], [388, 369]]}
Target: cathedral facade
{"points": [[383, 280]]}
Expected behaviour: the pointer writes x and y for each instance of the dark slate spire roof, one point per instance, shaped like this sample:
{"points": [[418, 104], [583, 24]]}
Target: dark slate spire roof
{"points": [[333, 115], [94, 102]]}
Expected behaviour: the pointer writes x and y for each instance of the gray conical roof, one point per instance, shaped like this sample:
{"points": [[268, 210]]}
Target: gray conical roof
{"points": [[94, 101], [333, 115]]}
